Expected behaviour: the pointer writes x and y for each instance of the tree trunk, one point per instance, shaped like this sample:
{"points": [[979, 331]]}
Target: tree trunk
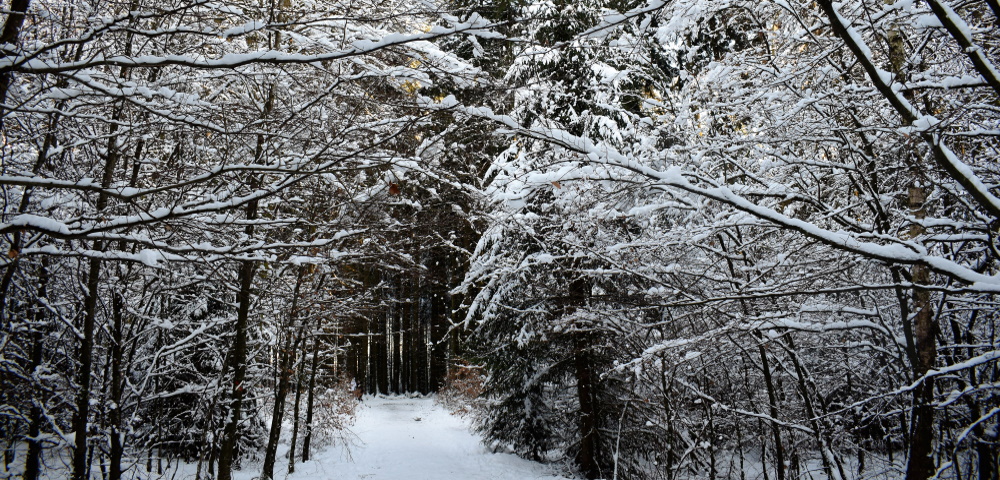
{"points": [[588, 454], [277, 415], [227, 453], [238, 354], [15, 245], [115, 414], [381, 360], [117, 346], [772, 410], [9, 35], [772, 397], [309, 401], [80, 463], [295, 415], [284, 378], [713, 471], [83, 375], [921, 464], [833, 468], [32, 462]]}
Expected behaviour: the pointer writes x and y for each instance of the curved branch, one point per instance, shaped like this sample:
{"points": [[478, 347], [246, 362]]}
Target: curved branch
{"points": [[922, 124]]}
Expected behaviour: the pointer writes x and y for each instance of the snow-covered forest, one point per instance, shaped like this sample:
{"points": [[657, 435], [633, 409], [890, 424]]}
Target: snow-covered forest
{"points": [[645, 239]]}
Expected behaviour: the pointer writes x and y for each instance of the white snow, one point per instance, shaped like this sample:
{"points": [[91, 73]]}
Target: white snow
{"points": [[414, 438], [35, 221], [393, 438]]}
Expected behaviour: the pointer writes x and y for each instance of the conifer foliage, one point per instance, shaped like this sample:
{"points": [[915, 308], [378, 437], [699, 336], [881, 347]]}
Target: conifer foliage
{"points": [[756, 221]]}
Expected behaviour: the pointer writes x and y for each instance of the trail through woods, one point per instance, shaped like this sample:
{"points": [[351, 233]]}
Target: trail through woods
{"points": [[415, 438], [679, 239], [395, 438]]}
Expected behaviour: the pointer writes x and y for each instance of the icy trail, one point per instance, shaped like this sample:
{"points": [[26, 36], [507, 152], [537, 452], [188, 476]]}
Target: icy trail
{"points": [[415, 439]]}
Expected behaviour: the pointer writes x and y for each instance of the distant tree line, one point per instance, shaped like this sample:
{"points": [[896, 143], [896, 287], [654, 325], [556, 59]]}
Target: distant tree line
{"points": [[673, 238]]}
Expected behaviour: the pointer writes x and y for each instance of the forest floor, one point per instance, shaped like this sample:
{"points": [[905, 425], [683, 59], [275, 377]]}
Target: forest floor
{"points": [[393, 438], [402, 438], [415, 439]]}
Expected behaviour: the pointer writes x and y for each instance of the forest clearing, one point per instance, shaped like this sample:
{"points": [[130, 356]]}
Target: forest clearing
{"points": [[612, 239]]}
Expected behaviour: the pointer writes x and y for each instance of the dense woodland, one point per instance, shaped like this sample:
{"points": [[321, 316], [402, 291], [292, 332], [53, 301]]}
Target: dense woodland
{"points": [[651, 239]]}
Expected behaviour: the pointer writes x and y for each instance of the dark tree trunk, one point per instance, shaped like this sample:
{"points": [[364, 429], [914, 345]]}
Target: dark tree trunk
{"points": [[921, 460], [412, 321], [309, 400], [401, 351], [589, 441], [115, 415], [33, 460], [80, 470], [81, 467], [412, 327], [238, 353], [400, 359], [713, 471], [352, 351], [772, 400], [589, 454], [772, 396], [230, 437], [807, 391], [277, 415], [987, 459], [284, 377], [439, 332], [364, 345], [382, 355], [117, 450], [9, 35], [295, 414]]}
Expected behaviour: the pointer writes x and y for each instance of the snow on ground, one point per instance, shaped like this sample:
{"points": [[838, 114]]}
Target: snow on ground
{"points": [[400, 438], [415, 439], [393, 438]]}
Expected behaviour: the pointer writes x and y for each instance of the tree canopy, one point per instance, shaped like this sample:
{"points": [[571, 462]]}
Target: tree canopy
{"points": [[673, 238]]}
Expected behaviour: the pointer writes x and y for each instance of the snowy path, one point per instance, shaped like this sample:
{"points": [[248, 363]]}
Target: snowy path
{"points": [[415, 439]]}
